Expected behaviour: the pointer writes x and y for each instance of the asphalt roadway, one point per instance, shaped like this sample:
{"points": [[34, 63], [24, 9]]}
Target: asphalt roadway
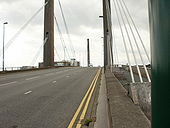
{"points": [[42, 99]]}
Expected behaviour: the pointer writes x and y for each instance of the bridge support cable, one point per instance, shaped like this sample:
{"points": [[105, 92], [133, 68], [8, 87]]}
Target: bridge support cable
{"points": [[38, 52], [136, 43], [8, 44], [127, 10], [109, 53], [67, 30], [130, 42], [115, 52], [62, 39], [124, 42], [57, 54]]}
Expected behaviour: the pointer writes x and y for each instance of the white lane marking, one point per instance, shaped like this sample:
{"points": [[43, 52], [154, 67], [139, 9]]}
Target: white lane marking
{"points": [[67, 76], [64, 71], [28, 92], [32, 78], [49, 74], [59, 72], [54, 82], [3, 78], [8, 83]]}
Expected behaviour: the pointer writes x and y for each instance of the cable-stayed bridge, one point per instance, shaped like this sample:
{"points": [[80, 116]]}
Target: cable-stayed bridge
{"points": [[60, 93]]}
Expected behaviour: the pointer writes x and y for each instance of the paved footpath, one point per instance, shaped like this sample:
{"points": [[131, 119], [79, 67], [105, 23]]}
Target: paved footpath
{"points": [[123, 113]]}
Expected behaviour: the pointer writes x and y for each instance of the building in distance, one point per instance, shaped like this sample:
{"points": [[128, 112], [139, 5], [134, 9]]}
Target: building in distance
{"points": [[65, 63]]}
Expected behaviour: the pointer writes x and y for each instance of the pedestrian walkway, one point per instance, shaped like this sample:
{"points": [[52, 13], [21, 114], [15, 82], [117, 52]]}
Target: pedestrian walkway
{"points": [[123, 112]]}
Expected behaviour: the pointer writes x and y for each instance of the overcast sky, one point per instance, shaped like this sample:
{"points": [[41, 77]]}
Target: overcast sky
{"points": [[82, 17]]}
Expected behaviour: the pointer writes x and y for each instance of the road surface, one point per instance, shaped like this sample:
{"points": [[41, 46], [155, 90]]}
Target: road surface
{"points": [[42, 99]]}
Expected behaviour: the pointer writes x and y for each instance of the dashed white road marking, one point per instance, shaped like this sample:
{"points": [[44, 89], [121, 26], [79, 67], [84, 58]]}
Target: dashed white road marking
{"points": [[58, 72], [3, 78], [28, 92], [67, 76], [32, 78], [54, 82], [49, 74], [8, 83]]}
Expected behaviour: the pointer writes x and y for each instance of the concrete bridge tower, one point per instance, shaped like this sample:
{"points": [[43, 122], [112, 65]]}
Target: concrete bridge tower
{"points": [[49, 34]]}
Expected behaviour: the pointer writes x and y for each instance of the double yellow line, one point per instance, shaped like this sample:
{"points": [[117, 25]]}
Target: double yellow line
{"points": [[86, 98]]}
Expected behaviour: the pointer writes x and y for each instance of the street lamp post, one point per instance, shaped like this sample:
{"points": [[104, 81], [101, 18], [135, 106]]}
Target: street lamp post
{"points": [[3, 66]]}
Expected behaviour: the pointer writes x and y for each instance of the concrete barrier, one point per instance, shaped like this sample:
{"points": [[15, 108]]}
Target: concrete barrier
{"points": [[141, 94]]}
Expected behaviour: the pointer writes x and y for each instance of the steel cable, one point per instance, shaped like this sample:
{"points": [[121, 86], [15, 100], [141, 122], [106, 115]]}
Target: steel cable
{"points": [[61, 37], [130, 42], [22, 29], [66, 27], [124, 42], [146, 71], [127, 10]]}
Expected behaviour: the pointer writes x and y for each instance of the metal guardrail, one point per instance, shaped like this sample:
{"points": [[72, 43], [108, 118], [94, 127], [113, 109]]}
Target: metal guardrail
{"points": [[18, 68], [11, 68]]}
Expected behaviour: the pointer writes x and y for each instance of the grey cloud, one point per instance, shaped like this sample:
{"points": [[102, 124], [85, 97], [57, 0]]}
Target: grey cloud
{"points": [[9, 1], [78, 13]]}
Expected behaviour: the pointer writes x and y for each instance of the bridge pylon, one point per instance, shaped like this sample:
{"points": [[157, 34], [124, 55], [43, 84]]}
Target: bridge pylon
{"points": [[48, 57], [107, 26]]}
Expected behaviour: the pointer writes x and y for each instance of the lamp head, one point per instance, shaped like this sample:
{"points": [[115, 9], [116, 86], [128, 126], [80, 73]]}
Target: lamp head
{"points": [[6, 23]]}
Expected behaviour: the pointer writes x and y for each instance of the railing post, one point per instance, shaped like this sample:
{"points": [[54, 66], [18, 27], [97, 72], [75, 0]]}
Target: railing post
{"points": [[159, 11]]}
